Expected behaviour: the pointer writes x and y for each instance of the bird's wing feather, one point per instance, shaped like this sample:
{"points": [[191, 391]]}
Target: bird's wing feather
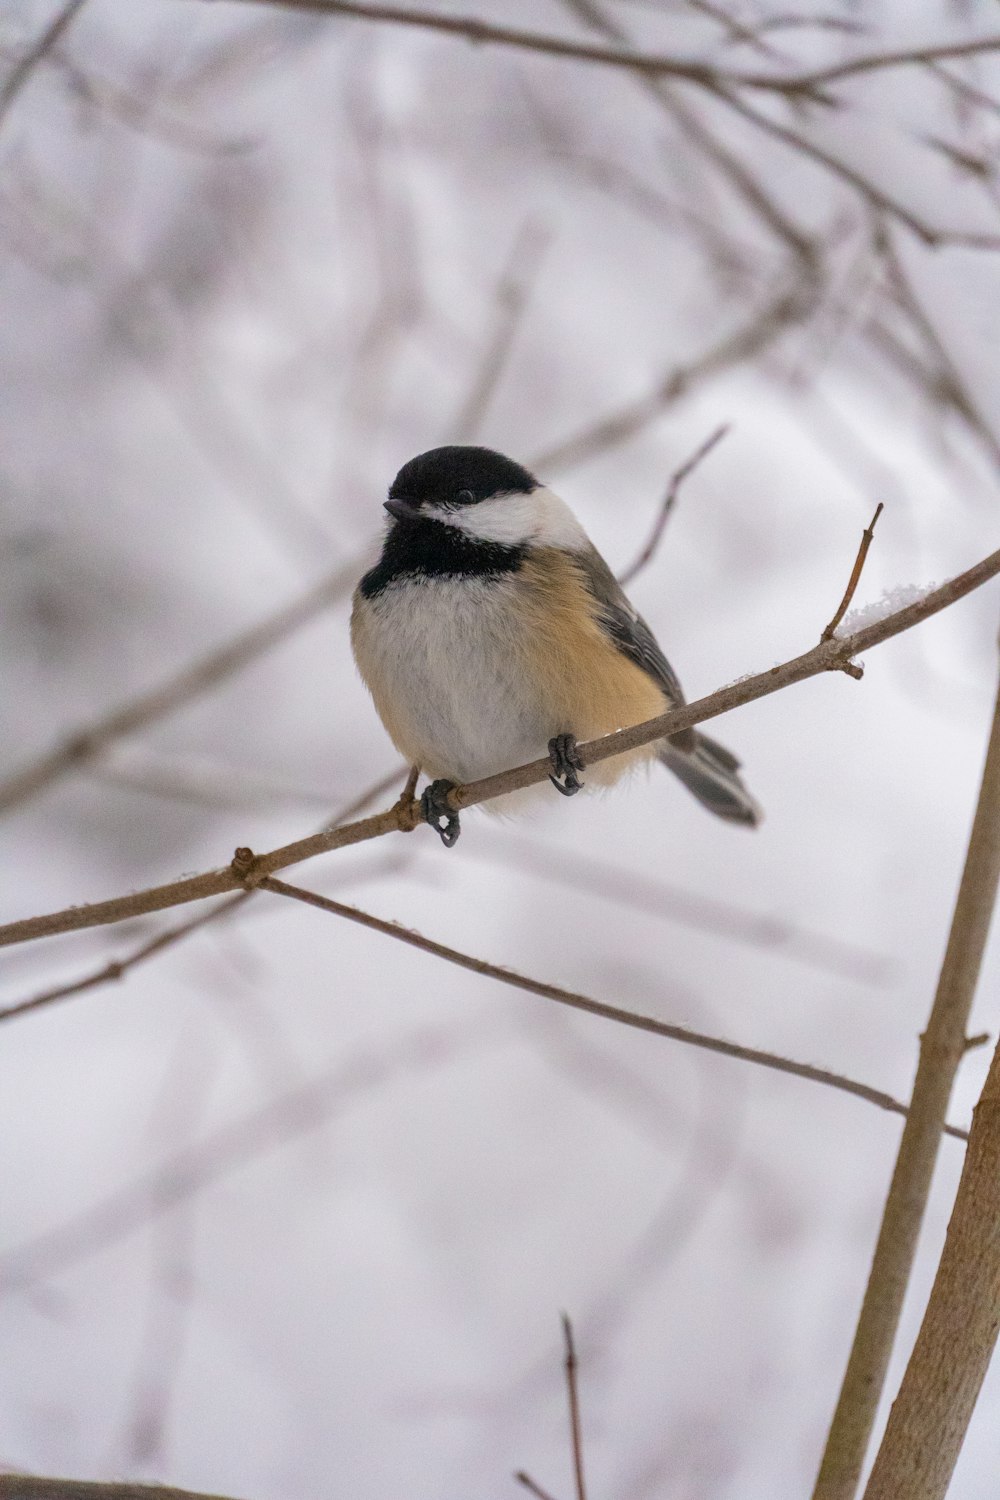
{"points": [[623, 623]]}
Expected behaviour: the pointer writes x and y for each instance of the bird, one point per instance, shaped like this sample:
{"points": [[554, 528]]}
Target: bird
{"points": [[491, 632]]}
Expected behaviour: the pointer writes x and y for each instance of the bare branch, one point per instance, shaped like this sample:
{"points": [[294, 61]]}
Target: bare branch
{"points": [[791, 305], [577, 1001], [932, 1412], [876, 197], [511, 299], [826, 657], [473, 29], [576, 1434], [876, 62], [28, 1487], [669, 501], [942, 1046], [866, 540], [530, 1485], [486, 33], [26, 65], [81, 746], [117, 968]]}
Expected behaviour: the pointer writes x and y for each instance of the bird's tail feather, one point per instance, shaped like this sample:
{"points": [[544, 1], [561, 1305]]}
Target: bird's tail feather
{"points": [[711, 773]]}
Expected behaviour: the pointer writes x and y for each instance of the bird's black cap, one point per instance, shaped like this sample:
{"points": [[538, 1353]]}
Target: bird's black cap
{"points": [[460, 476]]}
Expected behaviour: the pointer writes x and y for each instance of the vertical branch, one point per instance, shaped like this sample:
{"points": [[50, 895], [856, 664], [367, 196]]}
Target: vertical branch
{"points": [[941, 1049], [576, 1433], [932, 1412]]}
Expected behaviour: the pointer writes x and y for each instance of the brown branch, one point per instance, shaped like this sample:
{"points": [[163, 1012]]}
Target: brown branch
{"points": [[577, 1001], [738, 176], [942, 1046], [932, 1412], [28, 1487], [825, 657], [80, 747], [511, 299], [531, 1486], [871, 62], [855, 578], [877, 198], [575, 1429], [472, 29], [484, 33], [669, 501], [117, 968], [26, 65], [791, 305]]}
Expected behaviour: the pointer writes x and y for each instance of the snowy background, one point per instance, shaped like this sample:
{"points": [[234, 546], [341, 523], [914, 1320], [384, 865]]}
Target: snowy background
{"points": [[292, 1211]]}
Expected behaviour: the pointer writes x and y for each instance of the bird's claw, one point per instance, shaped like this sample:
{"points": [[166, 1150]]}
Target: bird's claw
{"points": [[438, 812], [566, 762]]}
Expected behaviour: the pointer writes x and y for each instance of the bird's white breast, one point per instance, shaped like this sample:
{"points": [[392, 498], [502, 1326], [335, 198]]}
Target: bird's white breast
{"points": [[449, 666]]}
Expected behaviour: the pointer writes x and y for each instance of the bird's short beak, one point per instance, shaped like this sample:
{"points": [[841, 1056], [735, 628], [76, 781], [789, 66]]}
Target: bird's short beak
{"points": [[403, 510]]}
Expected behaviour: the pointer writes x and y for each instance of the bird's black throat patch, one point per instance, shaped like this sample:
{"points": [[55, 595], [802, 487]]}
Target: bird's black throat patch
{"points": [[432, 549]]}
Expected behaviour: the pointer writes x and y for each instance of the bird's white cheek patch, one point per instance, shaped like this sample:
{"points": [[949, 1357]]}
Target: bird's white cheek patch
{"points": [[540, 519]]}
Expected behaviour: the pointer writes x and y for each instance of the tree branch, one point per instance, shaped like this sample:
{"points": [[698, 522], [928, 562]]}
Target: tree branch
{"points": [[84, 744], [577, 1001], [931, 1414], [573, 1395], [658, 64], [669, 501], [828, 656], [117, 968], [28, 1487], [941, 1048], [26, 65], [867, 537]]}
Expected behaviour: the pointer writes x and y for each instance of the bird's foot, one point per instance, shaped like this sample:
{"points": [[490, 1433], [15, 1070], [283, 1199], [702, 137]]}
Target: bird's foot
{"points": [[566, 762], [438, 812]]}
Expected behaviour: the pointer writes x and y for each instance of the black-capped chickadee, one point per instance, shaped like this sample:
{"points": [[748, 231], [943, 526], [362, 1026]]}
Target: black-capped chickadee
{"points": [[491, 629]]}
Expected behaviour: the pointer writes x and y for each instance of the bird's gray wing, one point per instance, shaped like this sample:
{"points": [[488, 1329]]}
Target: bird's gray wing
{"points": [[623, 623], [707, 769]]}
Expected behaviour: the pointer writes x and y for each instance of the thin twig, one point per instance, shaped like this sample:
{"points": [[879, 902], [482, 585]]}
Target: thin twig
{"points": [[942, 1046], [669, 501], [511, 298], [876, 197], [482, 32], [577, 1001], [117, 968], [83, 744], [29, 1487], [576, 1432], [855, 578], [827, 656], [529, 1484], [26, 65], [791, 305]]}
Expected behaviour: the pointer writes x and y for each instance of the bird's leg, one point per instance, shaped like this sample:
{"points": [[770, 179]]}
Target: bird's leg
{"points": [[438, 812], [566, 762]]}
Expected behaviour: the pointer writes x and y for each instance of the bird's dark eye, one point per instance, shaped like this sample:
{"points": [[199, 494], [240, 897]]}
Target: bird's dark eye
{"points": [[465, 497]]}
